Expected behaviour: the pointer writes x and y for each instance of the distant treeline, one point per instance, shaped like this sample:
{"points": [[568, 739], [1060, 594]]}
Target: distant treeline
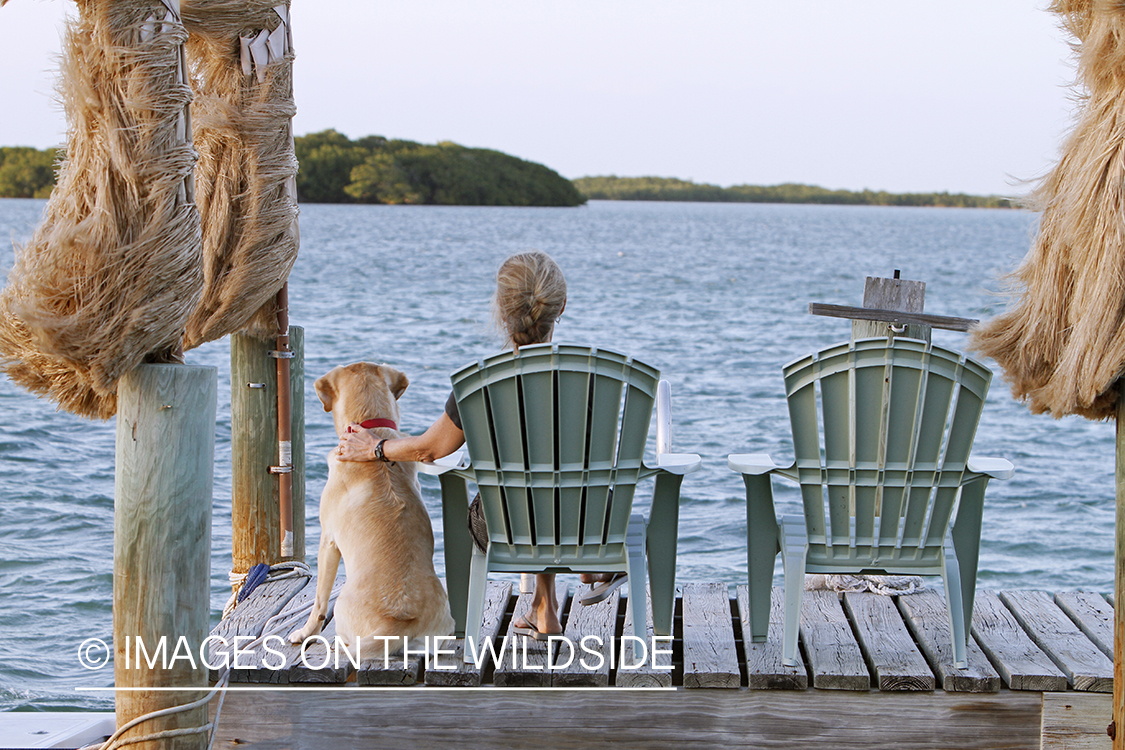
{"points": [[671, 189], [374, 169], [26, 172]]}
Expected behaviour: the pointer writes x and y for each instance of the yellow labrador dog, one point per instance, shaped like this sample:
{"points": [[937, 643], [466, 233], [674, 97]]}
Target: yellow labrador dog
{"points": [[371, 513]]}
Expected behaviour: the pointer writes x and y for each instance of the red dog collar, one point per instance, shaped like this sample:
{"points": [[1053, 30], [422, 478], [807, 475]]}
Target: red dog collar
{"points": [[370, 424]]}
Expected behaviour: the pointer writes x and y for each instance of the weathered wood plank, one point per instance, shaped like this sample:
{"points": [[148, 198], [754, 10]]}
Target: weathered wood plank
{"points": [[926, 616], [657, 669], [525, 661], [589, 632], [1021, 664], [1093, 616], [322, 664], [627, 720], [272, 666], [887, 644], [248, 619], [452, 671], [710, 658], [393, 669], [1076, 721], [892, 316], [834, 656], [1084, 665], [764, 670]]}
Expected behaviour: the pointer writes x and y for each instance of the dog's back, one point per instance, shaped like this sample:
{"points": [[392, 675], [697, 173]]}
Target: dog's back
{"points": [[372, 516], [387, 542]]}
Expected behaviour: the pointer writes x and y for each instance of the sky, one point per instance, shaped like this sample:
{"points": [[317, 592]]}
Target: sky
{"points": [[901, 95]]}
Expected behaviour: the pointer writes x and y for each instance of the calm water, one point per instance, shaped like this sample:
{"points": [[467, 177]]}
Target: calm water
{"points": [[713, 295]]}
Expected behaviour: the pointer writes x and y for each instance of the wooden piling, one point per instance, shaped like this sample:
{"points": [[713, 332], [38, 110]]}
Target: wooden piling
{"points": [[162, 545], [896, 294], [1118, 718], [892, 307], [255, 510]]}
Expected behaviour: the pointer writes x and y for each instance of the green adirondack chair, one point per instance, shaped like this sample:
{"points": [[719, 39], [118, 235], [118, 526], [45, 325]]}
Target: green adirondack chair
{"points": [[882, 431], [556, 436]]}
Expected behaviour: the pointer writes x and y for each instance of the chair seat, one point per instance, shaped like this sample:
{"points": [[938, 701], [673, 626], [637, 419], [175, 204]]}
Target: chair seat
{"points": [[570, 558], [863, 554]]}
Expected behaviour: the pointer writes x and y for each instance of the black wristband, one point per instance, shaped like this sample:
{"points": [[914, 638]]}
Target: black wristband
{"points": [[379, 451]]}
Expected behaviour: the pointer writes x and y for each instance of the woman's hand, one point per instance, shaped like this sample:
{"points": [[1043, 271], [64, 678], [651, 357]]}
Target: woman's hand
{"points": [[357, 444], [442, 438]]}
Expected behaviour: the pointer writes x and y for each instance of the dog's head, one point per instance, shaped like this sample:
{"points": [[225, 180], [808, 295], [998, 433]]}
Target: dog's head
{"points": [[361, 391]]}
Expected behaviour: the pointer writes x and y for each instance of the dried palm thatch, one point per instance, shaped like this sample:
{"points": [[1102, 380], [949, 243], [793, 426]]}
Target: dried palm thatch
{"points": [[242, 74], [113, 271], [1062, 345]]}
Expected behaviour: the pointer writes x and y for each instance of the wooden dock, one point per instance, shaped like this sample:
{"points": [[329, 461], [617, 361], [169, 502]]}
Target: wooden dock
{"points": [[876, 669]]}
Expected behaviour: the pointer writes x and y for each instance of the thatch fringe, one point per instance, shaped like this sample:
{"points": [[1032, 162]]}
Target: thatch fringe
{"points": [[246, 175], [113, 271], [1062, 345]]}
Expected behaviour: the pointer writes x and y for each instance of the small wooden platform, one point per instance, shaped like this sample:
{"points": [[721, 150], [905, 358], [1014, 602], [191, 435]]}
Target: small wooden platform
{"points": [[1022, 641]]}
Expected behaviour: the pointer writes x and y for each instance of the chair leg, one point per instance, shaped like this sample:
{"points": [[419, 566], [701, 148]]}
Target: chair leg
{"points": [[955, 606], [762, 546], [635, 567], [458, 546], [660, 535], [478, 581], [637, 598], [965, 534], [793, 555]]}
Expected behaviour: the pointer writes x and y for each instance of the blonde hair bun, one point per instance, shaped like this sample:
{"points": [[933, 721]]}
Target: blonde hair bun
{"points": [[530, 296]]}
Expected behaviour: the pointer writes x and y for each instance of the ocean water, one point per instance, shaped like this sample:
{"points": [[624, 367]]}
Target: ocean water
{"points": [[714, 295]]}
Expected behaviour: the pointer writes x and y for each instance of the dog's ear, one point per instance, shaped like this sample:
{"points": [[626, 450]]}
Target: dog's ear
{"points": [[396, 380], [326, 389]]}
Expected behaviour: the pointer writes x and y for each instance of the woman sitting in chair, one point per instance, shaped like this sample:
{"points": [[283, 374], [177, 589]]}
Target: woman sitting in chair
{"points": [[530, 297]]}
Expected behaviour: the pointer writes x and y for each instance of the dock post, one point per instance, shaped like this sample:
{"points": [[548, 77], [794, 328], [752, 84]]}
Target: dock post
{"points": [[255, 511], [1118, 718], [896, 294], [162, 545]]}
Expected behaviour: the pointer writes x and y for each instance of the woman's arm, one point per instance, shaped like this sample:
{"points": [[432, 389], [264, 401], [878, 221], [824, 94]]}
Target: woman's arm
{"points": [[442, 438]]}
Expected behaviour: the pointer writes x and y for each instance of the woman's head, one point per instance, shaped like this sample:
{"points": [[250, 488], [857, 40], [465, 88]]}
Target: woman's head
{"points": [[530, 296]]}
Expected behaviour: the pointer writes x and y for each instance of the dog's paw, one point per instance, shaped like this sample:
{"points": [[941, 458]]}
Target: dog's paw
{"points": [[298, 636]]}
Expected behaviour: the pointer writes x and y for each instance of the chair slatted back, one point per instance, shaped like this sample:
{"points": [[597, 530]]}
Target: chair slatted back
{"points": [[556, 435], [882, 431]]}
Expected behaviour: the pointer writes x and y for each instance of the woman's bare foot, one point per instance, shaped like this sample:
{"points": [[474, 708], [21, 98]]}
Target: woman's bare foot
{"points": [[543, 618], [528, 626]]}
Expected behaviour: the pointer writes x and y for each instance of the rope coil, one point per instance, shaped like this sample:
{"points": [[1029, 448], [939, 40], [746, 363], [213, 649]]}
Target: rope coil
{"points": [[274, 626]]}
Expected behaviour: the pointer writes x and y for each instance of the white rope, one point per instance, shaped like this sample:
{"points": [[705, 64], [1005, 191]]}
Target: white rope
{"points": [[287, 569], [116, 741], [273, 626], [876, 584]]}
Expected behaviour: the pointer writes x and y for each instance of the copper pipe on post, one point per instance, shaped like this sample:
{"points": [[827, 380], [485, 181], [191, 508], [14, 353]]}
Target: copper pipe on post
{"points": [[284, 468]]}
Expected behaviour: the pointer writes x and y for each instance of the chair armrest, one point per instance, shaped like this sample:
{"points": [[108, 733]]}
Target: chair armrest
{"points": [[996, 468], [678, 463], [458, 459], [751, 463]]}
